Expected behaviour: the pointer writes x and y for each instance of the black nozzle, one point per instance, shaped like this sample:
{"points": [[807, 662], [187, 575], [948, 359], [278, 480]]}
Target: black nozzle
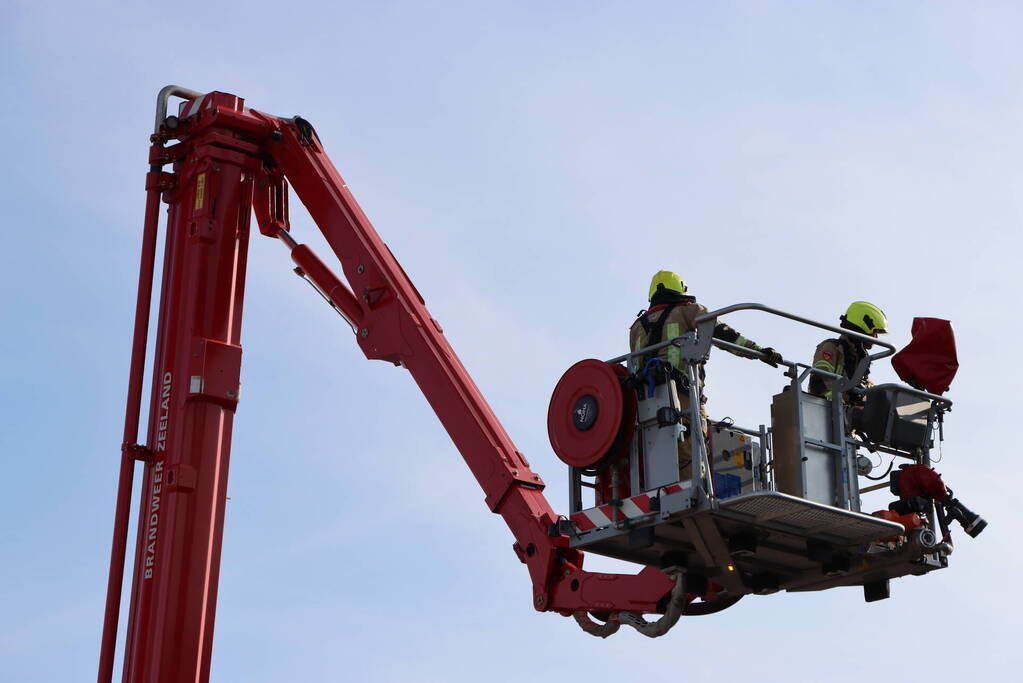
{"points": [[971, 522]]}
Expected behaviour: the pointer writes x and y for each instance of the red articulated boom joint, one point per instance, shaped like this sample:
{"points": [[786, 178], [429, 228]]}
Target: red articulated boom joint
{"points": [[229, 162]]}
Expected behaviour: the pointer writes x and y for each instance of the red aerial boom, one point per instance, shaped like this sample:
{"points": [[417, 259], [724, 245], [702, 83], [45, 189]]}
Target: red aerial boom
{"points": [[229, 161]]}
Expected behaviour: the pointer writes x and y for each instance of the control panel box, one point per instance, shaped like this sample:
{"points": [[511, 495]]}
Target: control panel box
{"points": [[736, 461]]}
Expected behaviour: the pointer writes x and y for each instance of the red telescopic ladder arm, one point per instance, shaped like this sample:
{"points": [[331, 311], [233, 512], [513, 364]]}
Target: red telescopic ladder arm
{"points": [[232, 161]]}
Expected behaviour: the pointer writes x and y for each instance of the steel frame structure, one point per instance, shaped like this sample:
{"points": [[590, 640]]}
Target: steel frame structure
{"points": [[231, 161]]}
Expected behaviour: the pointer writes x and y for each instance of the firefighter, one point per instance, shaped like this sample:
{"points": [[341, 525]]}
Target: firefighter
{"points": [[842, 355], [671, 314]]}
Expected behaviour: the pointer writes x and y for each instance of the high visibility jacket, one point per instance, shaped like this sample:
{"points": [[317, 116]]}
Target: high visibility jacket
{"points": [[841, 357], [681, 319]]}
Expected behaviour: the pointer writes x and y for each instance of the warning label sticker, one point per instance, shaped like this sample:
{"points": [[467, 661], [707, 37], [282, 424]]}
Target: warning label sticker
{"points": [[200, 191]]}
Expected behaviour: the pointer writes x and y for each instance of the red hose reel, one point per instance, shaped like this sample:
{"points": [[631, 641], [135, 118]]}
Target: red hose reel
{"points": [[591, 416]]}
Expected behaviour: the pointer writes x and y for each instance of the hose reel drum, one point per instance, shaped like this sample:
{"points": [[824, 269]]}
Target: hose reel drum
{"points": [[592, 415]]}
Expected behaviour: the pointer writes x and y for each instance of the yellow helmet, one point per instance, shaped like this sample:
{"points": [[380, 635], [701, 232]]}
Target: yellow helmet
{"points": [[667, 280], [867, 317]]}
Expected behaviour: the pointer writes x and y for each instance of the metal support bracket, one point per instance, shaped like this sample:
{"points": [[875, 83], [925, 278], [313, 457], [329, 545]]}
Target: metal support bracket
{"points": [[714, 551], [137, 452]]}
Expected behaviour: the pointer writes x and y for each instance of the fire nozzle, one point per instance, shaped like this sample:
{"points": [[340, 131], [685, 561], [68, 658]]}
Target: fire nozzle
{"points": [[918, 485]]}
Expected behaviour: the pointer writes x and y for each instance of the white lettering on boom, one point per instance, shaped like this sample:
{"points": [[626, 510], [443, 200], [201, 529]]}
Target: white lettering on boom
{"points": [[156, 483], [153, 521]]}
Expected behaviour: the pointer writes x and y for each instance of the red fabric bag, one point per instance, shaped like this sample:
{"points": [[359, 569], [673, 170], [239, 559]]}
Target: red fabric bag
{"points": [[929, 361]]}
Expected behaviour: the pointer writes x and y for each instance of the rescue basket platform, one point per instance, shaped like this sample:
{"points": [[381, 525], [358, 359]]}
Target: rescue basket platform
{"points": [[744, 509], [771, 540]]}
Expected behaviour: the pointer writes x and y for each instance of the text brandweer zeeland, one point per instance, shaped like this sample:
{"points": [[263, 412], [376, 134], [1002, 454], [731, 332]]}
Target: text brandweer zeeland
{"points": [[157, 479]]}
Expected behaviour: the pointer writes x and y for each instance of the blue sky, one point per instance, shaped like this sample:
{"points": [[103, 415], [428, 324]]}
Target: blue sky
{"points": [[530, 164]]}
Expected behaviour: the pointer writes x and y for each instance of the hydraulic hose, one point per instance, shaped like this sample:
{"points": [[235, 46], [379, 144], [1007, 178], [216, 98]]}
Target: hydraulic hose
{"points": [[650, 629], [699, 609], [595, 628]]}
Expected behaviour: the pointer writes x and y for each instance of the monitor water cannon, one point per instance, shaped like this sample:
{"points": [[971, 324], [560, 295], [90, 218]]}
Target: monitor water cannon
{"points": [[918, 485]]}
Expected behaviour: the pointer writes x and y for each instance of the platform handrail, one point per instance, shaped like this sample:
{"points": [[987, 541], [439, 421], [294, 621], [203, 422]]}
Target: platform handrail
{"points": [[751, 353], [677, 341], [889, 349]]}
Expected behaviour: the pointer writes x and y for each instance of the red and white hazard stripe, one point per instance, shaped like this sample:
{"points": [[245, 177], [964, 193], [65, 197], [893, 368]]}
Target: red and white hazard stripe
{"points": [[637, 506]]}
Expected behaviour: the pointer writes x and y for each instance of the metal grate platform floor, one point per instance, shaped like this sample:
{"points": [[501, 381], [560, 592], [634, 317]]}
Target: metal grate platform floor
{"points": [[810, 519]]}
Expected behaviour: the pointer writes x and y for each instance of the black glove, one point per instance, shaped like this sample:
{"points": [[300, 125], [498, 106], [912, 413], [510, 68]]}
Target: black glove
{"points": [[771, 357]]}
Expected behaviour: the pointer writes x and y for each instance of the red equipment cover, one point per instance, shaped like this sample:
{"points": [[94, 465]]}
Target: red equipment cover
{"points": [[929, 361], [919, 480]]}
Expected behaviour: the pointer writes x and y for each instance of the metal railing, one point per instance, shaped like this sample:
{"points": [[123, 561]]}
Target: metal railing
{"points": [[919, 393], [697, 342], [713, 315]]}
